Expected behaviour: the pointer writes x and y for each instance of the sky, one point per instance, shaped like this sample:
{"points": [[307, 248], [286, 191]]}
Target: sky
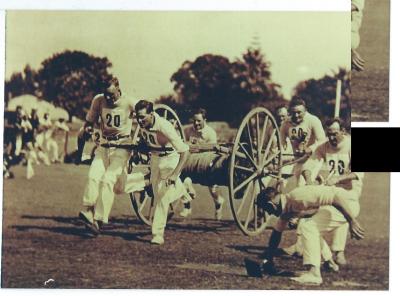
{"points": [[146, 48]]}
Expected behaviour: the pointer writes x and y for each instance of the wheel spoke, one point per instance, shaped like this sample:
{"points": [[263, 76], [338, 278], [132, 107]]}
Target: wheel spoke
{"points": [[250, 138], [263, 134], [248, 155], [271, 158], [165, 114], [245, 195], [268, 147], [258, 138], [143, 204], [239, 167], [244, 183], [246, 224]]}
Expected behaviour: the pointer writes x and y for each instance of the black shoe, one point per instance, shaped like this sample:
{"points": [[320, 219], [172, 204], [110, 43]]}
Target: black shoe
{"points": [[253, 268], [93, 228]]}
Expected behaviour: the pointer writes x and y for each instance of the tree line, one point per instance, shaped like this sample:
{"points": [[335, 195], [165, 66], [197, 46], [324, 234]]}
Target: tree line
{"points": [[226, 89]]}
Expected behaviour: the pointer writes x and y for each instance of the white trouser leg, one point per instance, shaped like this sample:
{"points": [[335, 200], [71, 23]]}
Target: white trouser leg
{"points": [[188, 184], [327, 219], [214, 191], [161, 168], [18, 144], [43, 157], [117, 161], [311, 240], [325, 250], [339, 238], [128, 183], [52, 149], [96, 171]]}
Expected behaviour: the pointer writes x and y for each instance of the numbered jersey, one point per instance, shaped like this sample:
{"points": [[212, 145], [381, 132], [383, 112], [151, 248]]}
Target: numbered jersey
{"points": [[336, 159], [163, 137], [114, 121], [308, 133]]}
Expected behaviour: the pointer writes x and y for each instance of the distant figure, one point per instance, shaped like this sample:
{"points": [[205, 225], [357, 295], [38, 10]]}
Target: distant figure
{"points": [[281, 114], [357, 7], [18, 131], [52, 145], [35, 122], [27, 144]]}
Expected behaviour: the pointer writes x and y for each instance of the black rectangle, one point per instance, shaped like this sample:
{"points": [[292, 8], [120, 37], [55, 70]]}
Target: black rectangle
{"points": [[375, 149]]}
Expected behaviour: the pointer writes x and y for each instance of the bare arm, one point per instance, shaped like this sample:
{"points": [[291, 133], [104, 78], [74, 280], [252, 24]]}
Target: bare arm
{"points": [[341, 179], [183, 156], [342, 205]]}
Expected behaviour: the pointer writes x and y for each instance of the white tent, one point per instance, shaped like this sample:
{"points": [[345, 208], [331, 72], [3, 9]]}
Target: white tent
{"points": [[29, 102]]}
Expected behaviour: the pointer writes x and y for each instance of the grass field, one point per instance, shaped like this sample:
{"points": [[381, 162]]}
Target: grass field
{"points": [[370, 88], [42, 239]]}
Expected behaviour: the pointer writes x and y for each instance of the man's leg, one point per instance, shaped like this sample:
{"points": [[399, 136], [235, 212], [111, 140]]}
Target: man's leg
{"points": [[311, 240], [187, 198], [339, 239], [218, 201], [117, 161], [91, 193], [165, 195]]}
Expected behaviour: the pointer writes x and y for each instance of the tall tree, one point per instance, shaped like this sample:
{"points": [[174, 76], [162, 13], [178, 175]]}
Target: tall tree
{"points": [[228, 90], [320, 95], [21, 83], [70, 80]]}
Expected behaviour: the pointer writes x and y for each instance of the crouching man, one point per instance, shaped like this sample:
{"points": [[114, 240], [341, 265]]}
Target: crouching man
{"points": [[325, 207]]}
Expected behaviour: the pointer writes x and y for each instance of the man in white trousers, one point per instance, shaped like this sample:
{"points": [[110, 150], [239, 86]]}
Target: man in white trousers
{"points": [[168, 156], [115, 113], [334, 158], [327, 207]]}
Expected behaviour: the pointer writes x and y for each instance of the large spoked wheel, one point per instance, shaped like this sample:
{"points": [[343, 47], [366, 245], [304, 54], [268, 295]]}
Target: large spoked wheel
{"points": [[143, 202], [255, 164]]}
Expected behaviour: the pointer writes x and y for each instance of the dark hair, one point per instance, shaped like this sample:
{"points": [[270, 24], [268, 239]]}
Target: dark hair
{"points": [[201, 111], [297, 101], [338, 120], [143, 104], [108, 82], [281, 106]]}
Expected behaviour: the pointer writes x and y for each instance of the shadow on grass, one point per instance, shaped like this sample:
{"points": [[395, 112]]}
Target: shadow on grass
{"points": [[201, 225], [248, 249], [112, 229]]}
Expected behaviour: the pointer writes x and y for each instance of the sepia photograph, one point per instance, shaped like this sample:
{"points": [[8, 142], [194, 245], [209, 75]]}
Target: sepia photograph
{"points": [[187, 150], [370, 46]]}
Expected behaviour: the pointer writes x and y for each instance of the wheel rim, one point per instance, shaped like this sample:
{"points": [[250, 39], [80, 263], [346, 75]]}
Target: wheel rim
{"points": [[255, 164], [142, 202]]}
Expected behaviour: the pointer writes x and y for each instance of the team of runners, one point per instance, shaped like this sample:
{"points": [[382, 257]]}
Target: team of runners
{"points": [[321, 197]]}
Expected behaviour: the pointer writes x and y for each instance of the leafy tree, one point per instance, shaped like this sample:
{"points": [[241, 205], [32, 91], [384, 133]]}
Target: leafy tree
{"points": [[70, 80], [320, 95], [228, 90], [21, 83]]}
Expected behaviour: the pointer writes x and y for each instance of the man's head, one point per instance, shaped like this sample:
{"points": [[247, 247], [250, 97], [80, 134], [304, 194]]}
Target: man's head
{"points": [[19, 110], [111, 91], [269, 200], [199, 119], [281, 114], [297, 110], [335, 131], [144, 113]]}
